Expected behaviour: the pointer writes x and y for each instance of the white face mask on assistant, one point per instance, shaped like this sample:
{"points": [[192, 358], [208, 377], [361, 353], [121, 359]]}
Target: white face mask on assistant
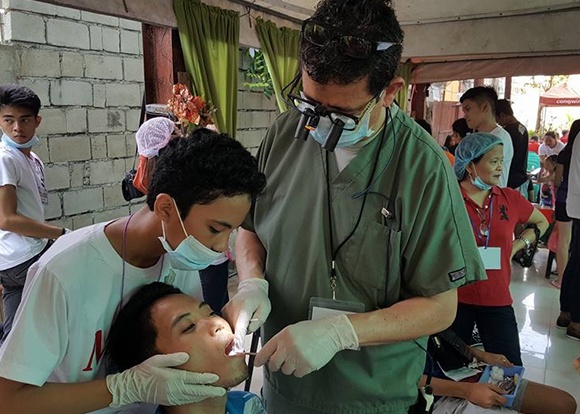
{"points": [[191, 254]]}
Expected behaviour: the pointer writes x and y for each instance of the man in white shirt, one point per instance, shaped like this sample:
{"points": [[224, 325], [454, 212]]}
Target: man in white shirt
{"points": [[24, 236], [478, 106], [552, 145]]}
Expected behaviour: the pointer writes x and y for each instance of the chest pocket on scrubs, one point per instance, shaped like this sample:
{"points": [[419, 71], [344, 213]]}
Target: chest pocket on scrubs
{"points": [[371, 259]]}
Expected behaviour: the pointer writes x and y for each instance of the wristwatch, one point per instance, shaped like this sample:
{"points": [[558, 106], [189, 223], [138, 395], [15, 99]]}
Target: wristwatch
{"points": [[526, 241]]}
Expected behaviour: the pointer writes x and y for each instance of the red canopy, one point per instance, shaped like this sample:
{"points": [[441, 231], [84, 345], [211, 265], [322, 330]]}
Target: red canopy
{"points": [[561, 95]]}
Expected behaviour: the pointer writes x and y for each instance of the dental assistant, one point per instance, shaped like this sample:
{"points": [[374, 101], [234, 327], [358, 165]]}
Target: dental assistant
{"points": [[53, 360]]}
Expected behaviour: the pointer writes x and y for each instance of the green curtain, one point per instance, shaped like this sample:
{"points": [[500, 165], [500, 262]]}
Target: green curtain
{"points": [[404, 71], [210, 39], [281, 47]]}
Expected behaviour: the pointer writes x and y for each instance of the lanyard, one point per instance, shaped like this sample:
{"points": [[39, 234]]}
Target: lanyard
{"points": [[334, 254], [477, 232], [123, 245]]}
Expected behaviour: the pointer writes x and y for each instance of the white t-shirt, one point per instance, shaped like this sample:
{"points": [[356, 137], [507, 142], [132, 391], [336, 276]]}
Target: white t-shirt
{"points": [[508, 153], [545, 151], [69, 301], [27, 175], [573, 199]]}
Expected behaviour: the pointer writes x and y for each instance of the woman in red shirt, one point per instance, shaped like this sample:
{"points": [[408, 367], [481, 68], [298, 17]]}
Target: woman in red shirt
{"points": [[494, 213]]}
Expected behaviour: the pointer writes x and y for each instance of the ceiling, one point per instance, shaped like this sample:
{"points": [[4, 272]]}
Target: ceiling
{"points": [[411, 12], [516, 35]]}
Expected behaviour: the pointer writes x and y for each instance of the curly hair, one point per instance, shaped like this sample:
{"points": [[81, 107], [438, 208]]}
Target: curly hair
{"points": [[132, 336], [202, 167], [19, 96], [373, 20]]}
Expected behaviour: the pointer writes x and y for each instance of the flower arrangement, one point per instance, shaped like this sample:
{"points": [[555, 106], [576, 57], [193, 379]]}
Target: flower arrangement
{"points": [[191, 111]]}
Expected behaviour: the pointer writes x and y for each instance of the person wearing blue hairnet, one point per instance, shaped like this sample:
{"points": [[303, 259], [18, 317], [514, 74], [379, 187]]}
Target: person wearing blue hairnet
{"points": [[493, 212]]}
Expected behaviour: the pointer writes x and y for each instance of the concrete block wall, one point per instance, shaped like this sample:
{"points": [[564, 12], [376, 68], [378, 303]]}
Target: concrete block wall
{"points": [[255, 111], [88, 72]]}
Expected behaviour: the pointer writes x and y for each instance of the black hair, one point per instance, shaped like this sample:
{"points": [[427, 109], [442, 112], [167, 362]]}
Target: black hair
{"points": [[132, 336], [460, 126], [551, 134], [481, 94], [424, 124], [202, 167], [534, 138], [503, 106], [19, 96], [553, 158], [447, 143], [373, 20]]}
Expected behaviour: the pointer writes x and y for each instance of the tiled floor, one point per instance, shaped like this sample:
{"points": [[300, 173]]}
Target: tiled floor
{"points": [[547, 352]]}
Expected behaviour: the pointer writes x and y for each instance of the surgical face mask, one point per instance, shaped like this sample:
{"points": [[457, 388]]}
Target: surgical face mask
{"points": [[31, 143], [347, 138], [479, 183], [191, 254]]}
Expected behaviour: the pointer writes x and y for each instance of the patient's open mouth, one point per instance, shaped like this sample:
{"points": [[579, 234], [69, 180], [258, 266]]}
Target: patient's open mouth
{"points": [[229, 348]]}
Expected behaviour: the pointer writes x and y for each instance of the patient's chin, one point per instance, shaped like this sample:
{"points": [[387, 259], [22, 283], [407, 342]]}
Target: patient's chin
{"points": [[236, 378]]}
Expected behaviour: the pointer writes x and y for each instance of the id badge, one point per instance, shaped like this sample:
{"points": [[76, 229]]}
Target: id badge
{"points": [[43, 195], [320, 308], [491, 257]]}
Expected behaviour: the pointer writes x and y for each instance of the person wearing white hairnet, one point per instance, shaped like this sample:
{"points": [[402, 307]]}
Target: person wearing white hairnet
{"points": [[493, 212], [152, 136]]}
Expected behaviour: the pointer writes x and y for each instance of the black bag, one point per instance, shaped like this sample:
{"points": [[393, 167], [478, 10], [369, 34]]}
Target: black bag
{"points": [[449, 350], [127, 187], [525, 257]]}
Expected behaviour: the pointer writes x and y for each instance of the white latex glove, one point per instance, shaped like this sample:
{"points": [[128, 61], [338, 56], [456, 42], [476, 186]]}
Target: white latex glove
{"points": [[154, 381], [307, 346], [251, 302]]}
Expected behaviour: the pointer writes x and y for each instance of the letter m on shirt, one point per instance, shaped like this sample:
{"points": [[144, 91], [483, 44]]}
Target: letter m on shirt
{"points": [[96, 353]]}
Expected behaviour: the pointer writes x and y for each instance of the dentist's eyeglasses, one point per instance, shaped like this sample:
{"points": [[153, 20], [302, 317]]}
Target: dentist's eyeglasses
{"points": [[312, 111], [310, 108], [352, 46]]}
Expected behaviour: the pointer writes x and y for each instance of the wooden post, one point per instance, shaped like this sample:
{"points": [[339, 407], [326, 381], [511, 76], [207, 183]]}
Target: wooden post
{"points": [[163, 59], [418, 100], [508, 87]]}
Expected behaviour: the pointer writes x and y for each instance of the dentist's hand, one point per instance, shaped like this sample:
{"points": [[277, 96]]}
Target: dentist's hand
{"points": [[307, 346], [251, 302], [155, 381]]}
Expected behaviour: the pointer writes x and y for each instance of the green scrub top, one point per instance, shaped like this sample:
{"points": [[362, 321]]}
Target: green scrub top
{"points": [[426, 247]]}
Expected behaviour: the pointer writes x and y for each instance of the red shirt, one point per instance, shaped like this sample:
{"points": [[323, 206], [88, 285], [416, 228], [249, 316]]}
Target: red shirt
{"points": [[533, 146], [509, 208]]}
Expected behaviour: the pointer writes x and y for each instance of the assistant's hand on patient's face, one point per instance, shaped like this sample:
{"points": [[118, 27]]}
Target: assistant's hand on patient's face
{"points": [[248, 309], [156, 381], [307, 346], [485, 395]]}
